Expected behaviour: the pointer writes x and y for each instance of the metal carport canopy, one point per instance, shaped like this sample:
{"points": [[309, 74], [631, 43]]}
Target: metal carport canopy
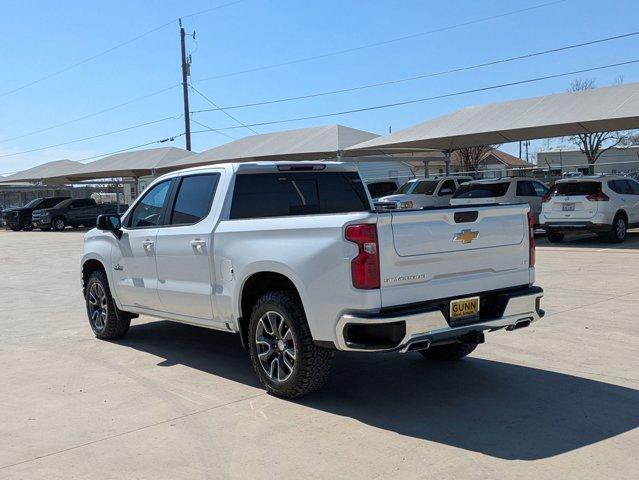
{"points": [[314, 143], [589, 111], [57, 168], [136, 163]]}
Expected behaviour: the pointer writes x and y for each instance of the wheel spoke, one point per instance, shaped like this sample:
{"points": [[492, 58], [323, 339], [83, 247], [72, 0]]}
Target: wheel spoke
{"points": [[275, 346]]}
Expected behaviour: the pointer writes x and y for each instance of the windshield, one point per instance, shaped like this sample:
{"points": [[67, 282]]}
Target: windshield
{"points": [[482, 190], [426, 187], [33, 203]]}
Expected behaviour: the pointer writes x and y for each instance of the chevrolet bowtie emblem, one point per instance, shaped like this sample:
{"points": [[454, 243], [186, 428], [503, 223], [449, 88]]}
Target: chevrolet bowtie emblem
{"points": [[466, 236]]}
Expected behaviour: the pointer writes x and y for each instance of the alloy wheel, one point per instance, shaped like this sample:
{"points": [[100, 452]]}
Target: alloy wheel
{"points": [[59, 224], [98, 306], [621, 228], [276, 348]]}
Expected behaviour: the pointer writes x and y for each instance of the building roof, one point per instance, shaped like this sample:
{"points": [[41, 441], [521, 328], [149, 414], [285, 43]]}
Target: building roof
{"points": [[315, 143], [596, 110]]}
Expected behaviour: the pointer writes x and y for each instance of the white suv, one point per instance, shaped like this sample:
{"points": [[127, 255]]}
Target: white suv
{"points": [[422, 192], [503, 190], [606, 205]]}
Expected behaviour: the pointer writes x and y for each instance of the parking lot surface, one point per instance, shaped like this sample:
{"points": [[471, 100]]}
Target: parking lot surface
{"points": [[558, 400]]}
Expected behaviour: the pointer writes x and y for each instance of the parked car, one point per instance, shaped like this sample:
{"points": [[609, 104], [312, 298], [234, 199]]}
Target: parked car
{"points": [[20, 218], [5, 208], [380, 188], [294, 260], [606, 205], [503, 190], [422, 192], [73, 212]]}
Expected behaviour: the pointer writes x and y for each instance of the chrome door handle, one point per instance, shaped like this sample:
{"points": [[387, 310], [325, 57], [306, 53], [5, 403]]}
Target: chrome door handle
{"points": [[147, 244], [198, 244]]}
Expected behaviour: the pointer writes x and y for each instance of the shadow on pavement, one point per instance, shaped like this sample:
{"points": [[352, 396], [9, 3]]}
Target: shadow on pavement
{"points": [[498, 409], [586, 240]]}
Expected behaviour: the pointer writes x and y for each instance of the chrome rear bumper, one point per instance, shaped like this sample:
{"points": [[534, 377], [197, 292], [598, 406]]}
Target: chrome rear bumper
{"points": [[429, 326]]}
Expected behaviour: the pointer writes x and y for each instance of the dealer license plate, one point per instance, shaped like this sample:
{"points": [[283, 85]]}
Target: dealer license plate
{"points": [[464, 308], [568, 207]]}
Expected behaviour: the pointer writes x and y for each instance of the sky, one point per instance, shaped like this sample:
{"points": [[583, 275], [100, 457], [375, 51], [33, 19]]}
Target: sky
{"points": [[77, 62]]}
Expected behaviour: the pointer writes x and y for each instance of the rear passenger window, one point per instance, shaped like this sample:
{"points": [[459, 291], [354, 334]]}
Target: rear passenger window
{"points": [[540, 189], [525, 189], [482, 190], [194, 198], [285, 194]]}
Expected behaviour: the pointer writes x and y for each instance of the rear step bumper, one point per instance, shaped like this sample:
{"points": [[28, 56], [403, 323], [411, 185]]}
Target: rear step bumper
{"points": [[420, 329], [575, 226]]}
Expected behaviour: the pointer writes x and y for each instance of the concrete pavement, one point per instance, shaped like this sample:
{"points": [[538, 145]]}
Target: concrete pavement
{"points": [[557, 400]]}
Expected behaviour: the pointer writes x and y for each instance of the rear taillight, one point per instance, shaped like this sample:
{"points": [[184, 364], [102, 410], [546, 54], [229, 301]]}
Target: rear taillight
{"points": [[531, 240], [545, 198], [598, 197], [365, 266]]}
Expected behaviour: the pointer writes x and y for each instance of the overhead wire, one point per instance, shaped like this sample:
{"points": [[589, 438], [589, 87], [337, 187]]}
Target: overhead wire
{"points": [[111, 49], [435, 97], [421, 76], [380, 43], [222, 110]]}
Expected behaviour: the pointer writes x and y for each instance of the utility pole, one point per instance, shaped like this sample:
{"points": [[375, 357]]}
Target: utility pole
{"points": [[186, 72]]}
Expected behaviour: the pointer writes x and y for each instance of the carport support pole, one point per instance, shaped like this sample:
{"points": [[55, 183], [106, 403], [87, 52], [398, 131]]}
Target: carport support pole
{"points": [[447, 161], [426, 173]]}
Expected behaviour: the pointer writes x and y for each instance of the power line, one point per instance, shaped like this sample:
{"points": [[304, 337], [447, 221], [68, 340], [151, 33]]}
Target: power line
{"points": [[436, 97], [207, 127], [109, 50], [217, 108], [163, 140], [77, 140], [377, 44], [422, 76], [84, 117]]}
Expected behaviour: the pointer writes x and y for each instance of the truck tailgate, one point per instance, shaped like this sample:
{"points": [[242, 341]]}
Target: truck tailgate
{"points": [[440, 253]]}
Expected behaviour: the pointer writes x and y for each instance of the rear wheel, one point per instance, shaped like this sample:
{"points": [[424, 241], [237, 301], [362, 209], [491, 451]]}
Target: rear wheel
{"points": [[555, 237], [452, 351], [284, 356], [619, 229], [106, 320], [58, 224]]}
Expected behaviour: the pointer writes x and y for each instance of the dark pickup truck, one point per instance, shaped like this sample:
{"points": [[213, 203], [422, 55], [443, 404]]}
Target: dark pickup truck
{"points": [[73, 212], [20, 218]]}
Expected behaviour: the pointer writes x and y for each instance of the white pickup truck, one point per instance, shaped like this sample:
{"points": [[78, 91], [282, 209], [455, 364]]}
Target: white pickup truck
{"points": [[293, 258]]}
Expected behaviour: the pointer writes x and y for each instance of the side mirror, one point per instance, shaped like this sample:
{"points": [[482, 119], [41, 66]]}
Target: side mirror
{"points": [[445, 191], [110, 223]]}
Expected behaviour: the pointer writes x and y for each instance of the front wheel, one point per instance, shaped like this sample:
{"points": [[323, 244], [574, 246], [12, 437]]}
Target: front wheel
{"points": [[106, 320], [283, 354], [58, 224], [449, 352]]}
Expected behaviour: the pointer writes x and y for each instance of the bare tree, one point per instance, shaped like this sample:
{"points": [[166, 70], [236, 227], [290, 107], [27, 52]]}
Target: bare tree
{"points": [[592, 145], [474, 157]]}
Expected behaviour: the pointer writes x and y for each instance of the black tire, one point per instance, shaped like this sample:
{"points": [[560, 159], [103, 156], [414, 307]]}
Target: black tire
{"points": [[311, 363], [16, 229], [449, 352], [555, 237], [114, 323], [58, 224], [619, 229]]}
